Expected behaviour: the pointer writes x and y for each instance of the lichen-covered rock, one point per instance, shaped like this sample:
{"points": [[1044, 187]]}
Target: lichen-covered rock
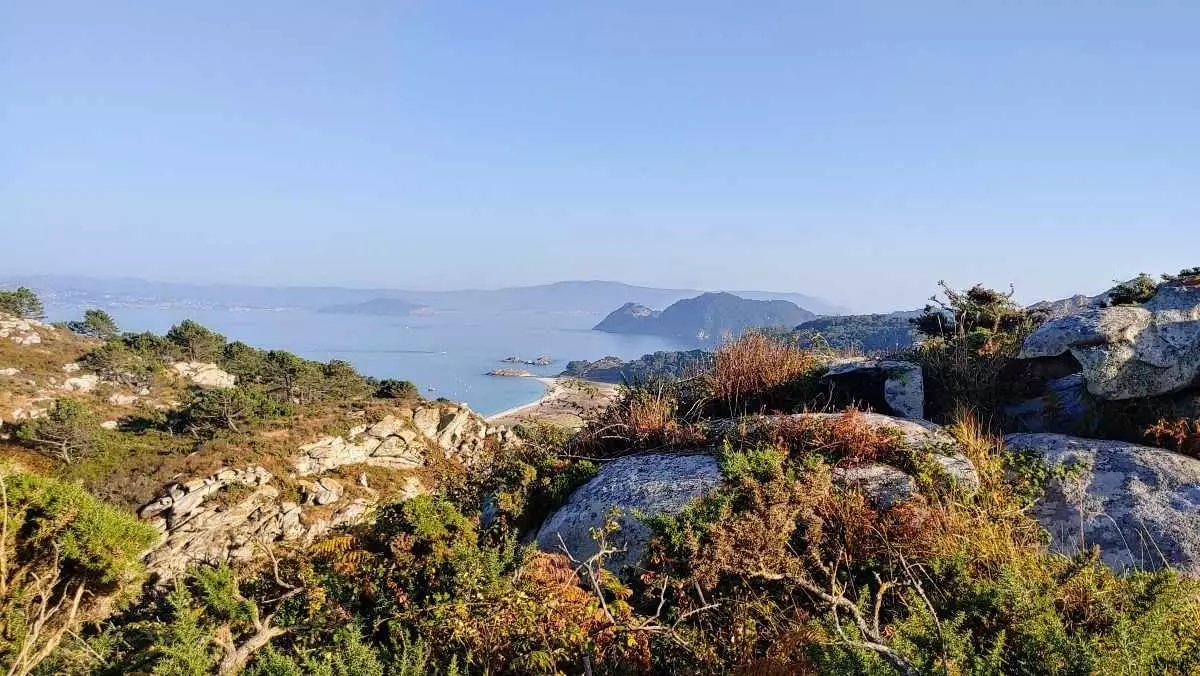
{"points": [[1130, 351], [901, 383], [652, 484], [883, 485], [1140, 505], [205, 375]]}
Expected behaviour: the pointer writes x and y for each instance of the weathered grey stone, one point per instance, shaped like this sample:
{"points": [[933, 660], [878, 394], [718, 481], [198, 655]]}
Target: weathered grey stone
{"points": [[84, 383], [118, 399], [903, 386], [1140, 505], [327, 491], [651, 484], [205, 375], [386, 427], [1130, 351], [883, 485], [401, 453]]}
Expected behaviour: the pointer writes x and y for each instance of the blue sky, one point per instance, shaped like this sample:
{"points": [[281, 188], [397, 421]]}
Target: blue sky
{"points": [[860, 151]]}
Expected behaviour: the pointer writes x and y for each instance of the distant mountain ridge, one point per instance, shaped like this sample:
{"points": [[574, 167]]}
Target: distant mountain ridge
{"points": [[707, 318], [377, 306], [588, 297]]}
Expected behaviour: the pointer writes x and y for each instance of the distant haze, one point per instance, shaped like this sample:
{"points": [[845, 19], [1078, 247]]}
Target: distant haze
{"points": [[579, 297], [858, 152]]}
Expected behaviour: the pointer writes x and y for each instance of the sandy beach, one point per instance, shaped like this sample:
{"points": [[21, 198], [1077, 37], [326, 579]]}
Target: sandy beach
{"points": [[566, 402]]}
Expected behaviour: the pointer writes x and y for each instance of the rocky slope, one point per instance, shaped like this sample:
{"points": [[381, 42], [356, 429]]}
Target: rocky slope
{"points": [[238, 513]]}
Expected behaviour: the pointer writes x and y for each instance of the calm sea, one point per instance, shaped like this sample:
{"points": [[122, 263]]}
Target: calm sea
{"points": [[446, 354]]}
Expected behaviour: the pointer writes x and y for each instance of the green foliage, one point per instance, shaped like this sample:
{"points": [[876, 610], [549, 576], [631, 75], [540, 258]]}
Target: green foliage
{"points": [[210, 411], [528, 483], [115, 361], [1134, 292], [972, 338], [864, 333], [94, 541], [67, 431], [390, 388], [23, 303], [183, 643], [195, 342], [967, 312], [65, 559], [96, 323], [152, 347]]}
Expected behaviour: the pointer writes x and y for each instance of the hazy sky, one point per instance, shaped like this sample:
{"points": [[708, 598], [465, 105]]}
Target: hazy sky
{"points": [[857, 151]]}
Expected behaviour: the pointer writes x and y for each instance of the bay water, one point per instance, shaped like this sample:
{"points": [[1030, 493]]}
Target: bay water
{"points": [[446, 354]]}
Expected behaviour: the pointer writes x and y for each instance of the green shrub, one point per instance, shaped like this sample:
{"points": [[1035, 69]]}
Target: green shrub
{"points": [[1134, 292], [67, 431], [22, 303], [210, 411], [96, 323], [66, 560], [196, 342], [390, 388]]}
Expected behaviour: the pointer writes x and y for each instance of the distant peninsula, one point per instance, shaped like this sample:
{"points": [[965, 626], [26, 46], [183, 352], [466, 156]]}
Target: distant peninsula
{"points": [[707, 318], [377, 306]]}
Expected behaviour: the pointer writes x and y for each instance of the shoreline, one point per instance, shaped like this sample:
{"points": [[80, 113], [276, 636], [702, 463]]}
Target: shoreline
{"points": [[567, 401], [551, 385]]}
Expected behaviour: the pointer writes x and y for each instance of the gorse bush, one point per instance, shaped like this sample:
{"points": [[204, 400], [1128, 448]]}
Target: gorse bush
{"points": [[786, 574], [66, 560]]}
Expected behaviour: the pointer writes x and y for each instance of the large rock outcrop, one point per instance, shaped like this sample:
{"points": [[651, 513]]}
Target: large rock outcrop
{"points": [[403, 440], [653, 484], [1130, 352], [235, 513], [1140, 505]]}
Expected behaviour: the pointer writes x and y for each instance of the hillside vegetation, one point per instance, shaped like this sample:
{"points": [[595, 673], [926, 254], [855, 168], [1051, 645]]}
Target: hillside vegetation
{"points": [[707, 318], [793, 559]]}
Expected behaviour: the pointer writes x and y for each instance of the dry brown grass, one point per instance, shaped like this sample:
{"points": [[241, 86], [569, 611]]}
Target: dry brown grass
{"points": [[991, 525], [752, 370]]}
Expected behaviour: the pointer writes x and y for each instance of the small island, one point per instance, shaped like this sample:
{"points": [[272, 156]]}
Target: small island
{"points": [[542, 360], [509, 373]]}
